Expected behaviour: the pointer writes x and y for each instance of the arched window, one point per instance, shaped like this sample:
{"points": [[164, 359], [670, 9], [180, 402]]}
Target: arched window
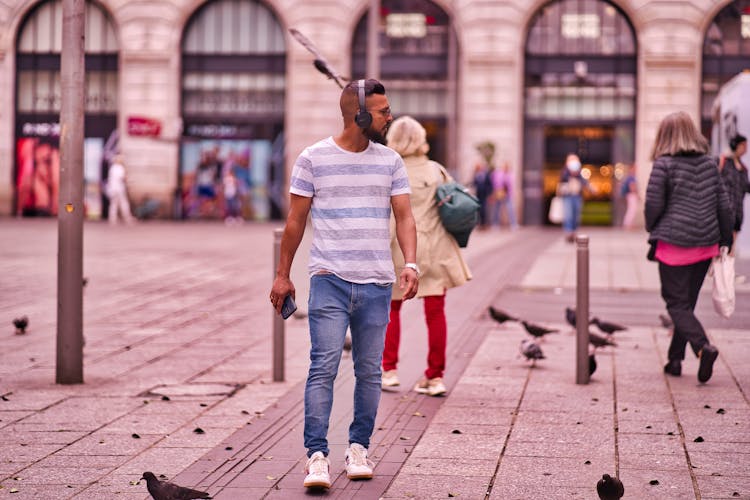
{"points": [[726, 52], [580, 88], [233, 88], [38, 48], [418, 59]]}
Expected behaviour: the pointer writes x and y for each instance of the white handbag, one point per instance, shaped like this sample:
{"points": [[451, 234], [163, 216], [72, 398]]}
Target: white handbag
{"points": [[556, 210], [722, 269]]}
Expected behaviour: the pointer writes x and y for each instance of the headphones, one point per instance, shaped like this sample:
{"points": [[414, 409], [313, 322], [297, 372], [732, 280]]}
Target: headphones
{"points": [[363, 118]]}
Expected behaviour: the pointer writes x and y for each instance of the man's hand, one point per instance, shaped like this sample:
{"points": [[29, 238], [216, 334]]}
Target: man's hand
{"points": [[408, 281], [280, 289]]}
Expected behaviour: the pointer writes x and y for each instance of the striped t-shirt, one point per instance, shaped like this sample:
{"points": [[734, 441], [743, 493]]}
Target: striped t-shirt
{"points": [[351, 208]]}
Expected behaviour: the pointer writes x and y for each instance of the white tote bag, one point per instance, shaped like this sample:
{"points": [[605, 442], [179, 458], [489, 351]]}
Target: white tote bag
{"points": [[556, 210], [722, 268]]}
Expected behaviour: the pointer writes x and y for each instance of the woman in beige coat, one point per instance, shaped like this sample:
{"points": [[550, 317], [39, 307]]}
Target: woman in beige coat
{"points": [[438, 257]]}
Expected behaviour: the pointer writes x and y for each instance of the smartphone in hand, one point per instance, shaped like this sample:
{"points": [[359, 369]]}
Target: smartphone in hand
{"points": [[289, 306]]}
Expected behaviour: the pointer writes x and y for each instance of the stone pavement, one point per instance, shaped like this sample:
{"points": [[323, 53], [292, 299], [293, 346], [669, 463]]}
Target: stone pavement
{"points": [[179, 310]]}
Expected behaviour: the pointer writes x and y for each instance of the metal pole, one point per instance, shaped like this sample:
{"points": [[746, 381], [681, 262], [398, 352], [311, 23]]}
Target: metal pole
{"points": [[582, 309], [69, 369], [278, 322], [373, 37]]}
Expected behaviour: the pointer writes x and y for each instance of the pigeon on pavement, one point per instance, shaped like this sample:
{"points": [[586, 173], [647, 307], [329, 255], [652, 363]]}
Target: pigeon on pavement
{"points": [[607, 326], [600, 340], [610, 488], [592, 364], [21, 324], [348, 343], [500, 316], [531, 350], [570, 316], [163, 490], [536, 330]]}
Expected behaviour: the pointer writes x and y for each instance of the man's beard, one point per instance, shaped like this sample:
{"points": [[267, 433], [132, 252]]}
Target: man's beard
{"points": [[375, 135]]}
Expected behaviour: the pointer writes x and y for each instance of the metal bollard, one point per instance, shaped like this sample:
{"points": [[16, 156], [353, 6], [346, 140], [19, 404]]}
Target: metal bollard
{"points": [[582, 309], [278, 322]]}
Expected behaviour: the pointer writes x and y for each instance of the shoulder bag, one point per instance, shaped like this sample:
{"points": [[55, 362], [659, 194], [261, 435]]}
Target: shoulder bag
{"points": [[457, 207]]}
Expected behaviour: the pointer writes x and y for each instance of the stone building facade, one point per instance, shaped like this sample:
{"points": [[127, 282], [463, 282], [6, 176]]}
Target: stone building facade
{"points": [[181, 80]]}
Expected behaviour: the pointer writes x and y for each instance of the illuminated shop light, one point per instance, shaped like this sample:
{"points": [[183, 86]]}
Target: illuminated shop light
{"points": [[745, 25]]}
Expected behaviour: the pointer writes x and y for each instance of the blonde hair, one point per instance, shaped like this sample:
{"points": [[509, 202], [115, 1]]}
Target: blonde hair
{"points": [[678, 135], [407, 137]]}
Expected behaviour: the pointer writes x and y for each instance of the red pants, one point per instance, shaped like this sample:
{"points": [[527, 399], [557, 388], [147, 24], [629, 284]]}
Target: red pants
{"points": [[437, 334]]}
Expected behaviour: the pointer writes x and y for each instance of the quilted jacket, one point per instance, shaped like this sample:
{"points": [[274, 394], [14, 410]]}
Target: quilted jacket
{"points": [[686, 203]]}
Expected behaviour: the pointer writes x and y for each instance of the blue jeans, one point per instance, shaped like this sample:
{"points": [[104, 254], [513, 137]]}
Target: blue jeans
{"points": [[333, 306], [509, 212], [571, 213]]}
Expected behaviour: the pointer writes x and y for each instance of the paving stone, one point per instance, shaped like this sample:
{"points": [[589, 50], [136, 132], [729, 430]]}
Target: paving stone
{"points": [[437, 486], [673, 484]]}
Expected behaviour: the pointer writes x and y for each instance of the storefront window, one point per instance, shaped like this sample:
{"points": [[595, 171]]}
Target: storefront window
{"points": [[38, 100], [580, 95], [233, 88], [726, 52], [418, 59]]}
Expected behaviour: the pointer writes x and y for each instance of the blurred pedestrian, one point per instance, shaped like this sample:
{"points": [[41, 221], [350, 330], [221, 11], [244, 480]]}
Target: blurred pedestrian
{"points": [[502, 196], [629, 191], [570, 188], [350, 183], [117, 192], [483, 181], [438, 258], [688, 216], [735, 179], [232, 201]]}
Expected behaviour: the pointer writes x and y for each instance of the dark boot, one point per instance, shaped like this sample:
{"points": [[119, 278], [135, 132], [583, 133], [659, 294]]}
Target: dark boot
{"points": [[708, 355]]}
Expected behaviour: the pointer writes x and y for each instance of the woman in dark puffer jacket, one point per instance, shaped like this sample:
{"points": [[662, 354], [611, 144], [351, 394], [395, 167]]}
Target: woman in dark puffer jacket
{"points": [[689, 216]]}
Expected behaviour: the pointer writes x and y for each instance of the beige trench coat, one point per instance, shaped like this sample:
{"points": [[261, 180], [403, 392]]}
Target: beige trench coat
{"points": [[438, 255]]}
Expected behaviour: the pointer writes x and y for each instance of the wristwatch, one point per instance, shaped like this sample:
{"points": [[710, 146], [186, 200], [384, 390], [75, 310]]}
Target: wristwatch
{"points": [[413, 265]]}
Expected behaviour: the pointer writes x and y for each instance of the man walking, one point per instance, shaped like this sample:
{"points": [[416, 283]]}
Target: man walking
{"points": [[350, 183]]}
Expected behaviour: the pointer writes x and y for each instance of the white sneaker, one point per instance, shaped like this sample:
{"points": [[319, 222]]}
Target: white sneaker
{"points": [[317, 471], [389, 379], [357, 464], [431, 387]]}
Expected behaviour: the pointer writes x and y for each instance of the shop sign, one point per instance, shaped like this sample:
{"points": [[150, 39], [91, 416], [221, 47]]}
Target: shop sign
{"points": [[580, 26], [43, 129], [402, 25], [142, 126]]}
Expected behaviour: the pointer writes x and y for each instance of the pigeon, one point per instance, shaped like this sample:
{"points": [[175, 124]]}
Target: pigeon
{"points": [[607, 327], [21, 324], [347, 343], [500, 316], [531, 350], [592, 364], [610, 488], [163, 490], [570, 316], [536, 330], [600, 340], [666, 321]]}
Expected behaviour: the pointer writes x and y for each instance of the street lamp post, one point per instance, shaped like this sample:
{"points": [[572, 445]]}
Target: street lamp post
{"points": [[69, 367]]}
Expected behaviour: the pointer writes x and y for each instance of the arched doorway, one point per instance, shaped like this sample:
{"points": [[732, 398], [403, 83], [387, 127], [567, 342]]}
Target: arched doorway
{"points": [[580, 97], [37, 128], [418, 59], [726, 53], [233, 90]]}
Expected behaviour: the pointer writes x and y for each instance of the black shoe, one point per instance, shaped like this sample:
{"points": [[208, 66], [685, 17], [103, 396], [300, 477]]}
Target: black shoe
{"points": [[708, 355], [674, 367]]}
